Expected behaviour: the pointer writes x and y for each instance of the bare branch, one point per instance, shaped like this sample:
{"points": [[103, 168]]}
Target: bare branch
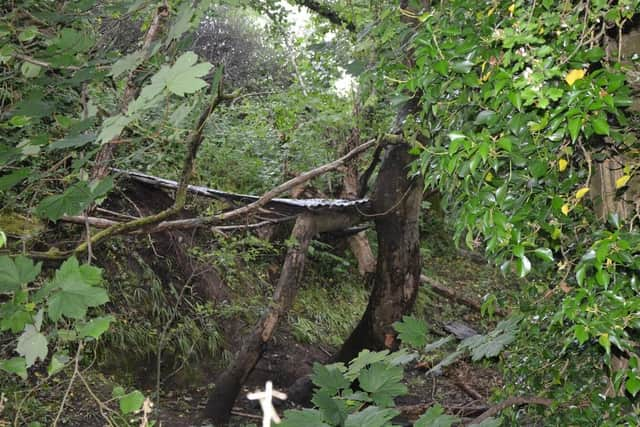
{"points": [[327, 12], [520, 400]]}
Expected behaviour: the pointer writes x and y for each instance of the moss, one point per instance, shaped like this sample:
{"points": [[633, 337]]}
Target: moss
{"points": [[20, 226]]}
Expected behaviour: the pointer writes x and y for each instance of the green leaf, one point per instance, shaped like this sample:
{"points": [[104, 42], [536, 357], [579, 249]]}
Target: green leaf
{"points": [[184, 76], [600, 125], [8, 181], [574, 125], [364, 358], [95, 327], [372, 416], [333, 411], [604, 341], [330, 377], [383, 383], [73, 291], [462, 67], [523, 266], [30, 70], [32, 345], [442, 67], [73, 141], [112, 127], [16, 272], [435, 417], [544, 254], [304, 417], [594, 55], [58, 362], [28, 34], [581, 333], [17, 366], [117, 392], [182, 22], [126, 64], [73, 201], [632, 384], [412, 331], [131, 402]]}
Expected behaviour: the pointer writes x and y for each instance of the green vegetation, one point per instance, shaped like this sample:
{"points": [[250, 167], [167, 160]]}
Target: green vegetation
{"points": [[522, 117]]}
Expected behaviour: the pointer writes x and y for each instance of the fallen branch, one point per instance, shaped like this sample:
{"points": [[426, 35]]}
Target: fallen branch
{"points": [[520, 400], [442, 290]]}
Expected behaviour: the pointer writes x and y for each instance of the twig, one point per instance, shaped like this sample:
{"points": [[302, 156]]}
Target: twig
{"points": [[246, 415], [101, 405], [519, 400], [448, 293], [45, 64], [73, 377]]}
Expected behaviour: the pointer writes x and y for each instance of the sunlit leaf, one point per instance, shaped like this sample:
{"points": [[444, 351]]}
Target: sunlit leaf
{"points": [[622, 181], [581, 192], [32, 345], [573, 76], [562, 165]]}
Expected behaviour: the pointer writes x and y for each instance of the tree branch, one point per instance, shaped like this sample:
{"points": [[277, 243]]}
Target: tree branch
{"points": [[327, 12]]}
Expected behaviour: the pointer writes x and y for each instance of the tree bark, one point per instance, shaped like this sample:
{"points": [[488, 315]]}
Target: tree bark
{"points": [[228, 384], [396, 201]]}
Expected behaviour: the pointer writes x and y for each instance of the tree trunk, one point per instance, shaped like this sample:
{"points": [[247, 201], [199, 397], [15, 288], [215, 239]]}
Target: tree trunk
{"points": [[231, 379], [396, 201]]}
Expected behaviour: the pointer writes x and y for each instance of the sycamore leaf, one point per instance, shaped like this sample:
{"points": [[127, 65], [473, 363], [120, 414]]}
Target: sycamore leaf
{"points": [[184, 76], [412, 331], [95, 327], [182, 22], [73, 201], [126, 63], [383, 383], [17, 272], [573, 76], [489, 422], [8, 181], [73, 290], [17, 366], [435, 417], [581, 192], [32, 345], [131, 402], [112, 127], [372, 416], [622, 181], [562, 165]]}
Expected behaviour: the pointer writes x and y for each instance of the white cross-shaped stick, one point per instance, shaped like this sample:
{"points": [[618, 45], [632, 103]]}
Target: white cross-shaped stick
{"points": [[268, 411]]}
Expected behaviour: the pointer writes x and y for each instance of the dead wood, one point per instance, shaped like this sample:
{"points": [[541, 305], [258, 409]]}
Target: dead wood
{"points": [[519, 400], [442, 290], [229, 382]]}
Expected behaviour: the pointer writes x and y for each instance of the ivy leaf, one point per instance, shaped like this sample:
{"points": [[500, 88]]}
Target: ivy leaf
{"points": [[95, 327], [412, 331], [74, 291], [16, 272], [330, 377], [73, 201], [131, 402], [372, 416], [17, 366], [32, 345], [304, 417], [383, 382], [435, 417]]}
